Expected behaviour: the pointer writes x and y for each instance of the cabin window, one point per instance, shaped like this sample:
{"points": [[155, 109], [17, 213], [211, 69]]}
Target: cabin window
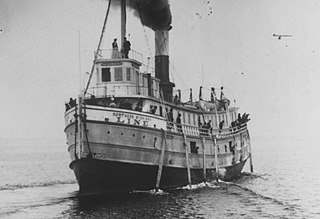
{"points": [[145, 78], [143, 81], [118, 74], [194, 119], [140, 80], [156, 86], [137, 78], [128, 74], [231, 147], [150, 87], [105, 75], [160, 111], [137, 82], [189, 122], [193, 147]]}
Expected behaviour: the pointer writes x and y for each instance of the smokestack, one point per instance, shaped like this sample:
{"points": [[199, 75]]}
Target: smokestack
{"points": [[162, 62]]}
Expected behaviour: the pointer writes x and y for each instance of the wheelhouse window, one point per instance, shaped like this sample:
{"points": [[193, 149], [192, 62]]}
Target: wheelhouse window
{"points": [[128, 74], [118, 74], [194, 119], [105, 74], [145, 81]]}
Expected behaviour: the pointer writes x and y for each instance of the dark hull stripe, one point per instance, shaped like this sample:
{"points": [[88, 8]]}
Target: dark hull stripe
{"points": [[96, 176]]}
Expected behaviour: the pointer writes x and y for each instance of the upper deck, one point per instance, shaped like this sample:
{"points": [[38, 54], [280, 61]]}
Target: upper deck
{"points": [[116, 76], [117, 80]]}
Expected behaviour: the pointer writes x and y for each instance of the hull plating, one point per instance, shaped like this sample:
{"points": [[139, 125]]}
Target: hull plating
{"points": [[95, 176]]}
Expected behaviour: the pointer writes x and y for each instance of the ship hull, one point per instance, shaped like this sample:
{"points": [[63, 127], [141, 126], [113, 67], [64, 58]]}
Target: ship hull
{"points": [[114, 155], [100, 176]]}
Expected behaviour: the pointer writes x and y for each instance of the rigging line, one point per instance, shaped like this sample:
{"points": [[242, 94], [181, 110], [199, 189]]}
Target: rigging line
{"points": [[175, 70], [79, 47], [79, 60], [98, 49]]}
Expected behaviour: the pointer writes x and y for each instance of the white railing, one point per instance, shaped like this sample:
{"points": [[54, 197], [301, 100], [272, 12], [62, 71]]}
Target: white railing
{"points": [[204, 132], [120, 91], [114, 54]]}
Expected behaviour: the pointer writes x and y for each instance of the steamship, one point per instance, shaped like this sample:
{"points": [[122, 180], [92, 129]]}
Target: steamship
{"points": [[130, 130]]}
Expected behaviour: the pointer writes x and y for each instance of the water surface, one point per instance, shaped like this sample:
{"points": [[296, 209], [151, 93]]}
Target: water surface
{"points": [[36, 182]]}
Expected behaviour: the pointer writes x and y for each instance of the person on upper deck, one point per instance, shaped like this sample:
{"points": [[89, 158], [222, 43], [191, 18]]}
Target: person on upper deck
{"points": [[138, 106], [170, 115], [178, 120], [221, 125], [112, 103], [176, 99], [209, 126], [213, 95], [126, 47], [222, 94], [239, 120], [115, 51]]}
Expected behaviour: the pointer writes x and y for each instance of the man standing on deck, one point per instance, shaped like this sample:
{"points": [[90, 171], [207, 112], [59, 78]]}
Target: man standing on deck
{"points": [[178, 121], [126, 47]]}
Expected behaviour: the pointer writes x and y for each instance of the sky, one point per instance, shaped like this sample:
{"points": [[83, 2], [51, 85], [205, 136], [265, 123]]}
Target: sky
{"points": [[46, 48]]}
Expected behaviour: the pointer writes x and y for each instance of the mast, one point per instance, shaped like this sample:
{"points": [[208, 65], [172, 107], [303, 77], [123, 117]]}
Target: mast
{"points": [[123, 21], [96, 54]]}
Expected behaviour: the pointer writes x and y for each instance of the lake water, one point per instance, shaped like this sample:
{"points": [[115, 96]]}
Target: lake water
{"points": [[36, 182]]}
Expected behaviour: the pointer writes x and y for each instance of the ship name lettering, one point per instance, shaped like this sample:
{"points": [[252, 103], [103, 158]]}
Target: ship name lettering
{"points": [[119, 119], [136, 122], [132, 119]]}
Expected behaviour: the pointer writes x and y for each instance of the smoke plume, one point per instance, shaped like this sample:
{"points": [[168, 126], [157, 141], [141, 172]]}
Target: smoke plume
{"points": [[155, 14]]}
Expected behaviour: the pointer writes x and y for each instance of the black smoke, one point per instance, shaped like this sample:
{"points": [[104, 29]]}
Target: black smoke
{"points": [[155, 14]]}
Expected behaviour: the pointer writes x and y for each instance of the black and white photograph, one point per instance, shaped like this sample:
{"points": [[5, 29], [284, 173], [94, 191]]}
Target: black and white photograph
{"points": [[159, 109]]}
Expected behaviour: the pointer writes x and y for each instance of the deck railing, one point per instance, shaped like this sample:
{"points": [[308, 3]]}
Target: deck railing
{"points": [[120, 90], [115, 54], [204, 132]]}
